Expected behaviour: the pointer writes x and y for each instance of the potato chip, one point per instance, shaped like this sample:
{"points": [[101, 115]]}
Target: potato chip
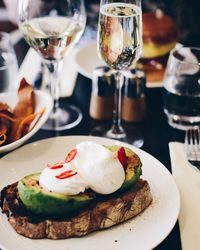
{"points": [[26, 102], [21, 126]]}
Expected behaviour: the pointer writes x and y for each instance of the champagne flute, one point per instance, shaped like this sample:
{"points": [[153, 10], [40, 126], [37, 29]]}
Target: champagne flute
{"points": [[119, 44], [52, 27]]}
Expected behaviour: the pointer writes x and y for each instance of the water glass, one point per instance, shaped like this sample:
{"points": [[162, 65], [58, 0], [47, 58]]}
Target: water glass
{"points": [[181, 95], [8, 64]]}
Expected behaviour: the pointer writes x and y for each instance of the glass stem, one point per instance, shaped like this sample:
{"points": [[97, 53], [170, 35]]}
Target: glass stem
{"points": [[53, 67], [117, 131]]}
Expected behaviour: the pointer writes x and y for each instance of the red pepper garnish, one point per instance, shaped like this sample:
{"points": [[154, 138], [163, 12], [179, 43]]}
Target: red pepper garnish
{"points": [[71, 155], [66, 174], [121, 154], [55, 166]]}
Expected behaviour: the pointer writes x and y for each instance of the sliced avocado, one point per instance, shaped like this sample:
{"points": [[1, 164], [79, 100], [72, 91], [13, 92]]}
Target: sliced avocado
{"points": [[41, 201], [133, 170]]}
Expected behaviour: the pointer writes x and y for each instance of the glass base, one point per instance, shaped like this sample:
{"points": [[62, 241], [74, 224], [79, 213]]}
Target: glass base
{"points": [[182, 122], [63, 119], [132, 135]]}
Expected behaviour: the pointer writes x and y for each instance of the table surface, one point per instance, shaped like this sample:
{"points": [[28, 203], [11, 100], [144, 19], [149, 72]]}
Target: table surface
{"points": [[157, 134]]}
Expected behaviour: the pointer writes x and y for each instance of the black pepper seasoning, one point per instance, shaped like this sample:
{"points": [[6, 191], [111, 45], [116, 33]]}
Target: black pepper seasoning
{"points": [[133, 100], [102, 96]]}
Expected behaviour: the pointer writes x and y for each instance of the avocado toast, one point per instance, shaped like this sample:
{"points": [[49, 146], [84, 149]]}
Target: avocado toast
{"points": [[38, 213]]}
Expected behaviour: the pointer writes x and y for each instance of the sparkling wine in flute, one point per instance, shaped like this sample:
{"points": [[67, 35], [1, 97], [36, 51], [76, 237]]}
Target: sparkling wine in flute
{"points": [[119, 41], [52, 37]]}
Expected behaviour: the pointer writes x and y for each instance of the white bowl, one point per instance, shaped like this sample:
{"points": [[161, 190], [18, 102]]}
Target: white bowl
{"points": [[43, 100]]}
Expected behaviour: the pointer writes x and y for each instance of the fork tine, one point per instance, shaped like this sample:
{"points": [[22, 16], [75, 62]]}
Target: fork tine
{"points": [[192, 146], [195, 132], [187, 140], [187, 137], [197, 136], [196, 144], [189, 143]]}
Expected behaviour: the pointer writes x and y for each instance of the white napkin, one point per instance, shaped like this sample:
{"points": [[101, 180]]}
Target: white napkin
{"points": [[188, 182], [32, 64]]}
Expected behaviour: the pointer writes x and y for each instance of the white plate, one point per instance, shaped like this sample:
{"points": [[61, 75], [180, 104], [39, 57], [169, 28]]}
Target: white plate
{"points": [[142, 232], [43, 100], [87, 59]]}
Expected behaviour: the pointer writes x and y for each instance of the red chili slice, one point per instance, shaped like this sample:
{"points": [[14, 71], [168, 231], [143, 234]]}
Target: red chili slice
{"points": [[71, 155], [66, 174], [121, 154], [55, 166]]}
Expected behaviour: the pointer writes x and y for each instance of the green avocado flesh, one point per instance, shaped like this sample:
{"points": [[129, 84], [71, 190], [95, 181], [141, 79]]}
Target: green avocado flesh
{"points": [[40, 201]]}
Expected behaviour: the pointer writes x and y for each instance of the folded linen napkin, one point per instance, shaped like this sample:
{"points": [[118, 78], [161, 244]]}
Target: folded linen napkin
{"points": [[67, 77], [188, 182]]}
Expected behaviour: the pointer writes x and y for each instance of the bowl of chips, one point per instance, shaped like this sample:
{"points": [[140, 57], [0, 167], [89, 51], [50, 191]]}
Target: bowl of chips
{"points": [[22, 114]]}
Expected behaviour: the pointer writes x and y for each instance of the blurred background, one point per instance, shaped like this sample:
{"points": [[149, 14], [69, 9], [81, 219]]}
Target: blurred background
{"points": [[185, 13]]}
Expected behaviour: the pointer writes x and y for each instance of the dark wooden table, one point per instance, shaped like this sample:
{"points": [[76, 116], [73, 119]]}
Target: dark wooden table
{"points": [[157, 133]]}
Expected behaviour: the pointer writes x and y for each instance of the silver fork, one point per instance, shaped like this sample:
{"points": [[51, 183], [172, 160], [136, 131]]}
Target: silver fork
{"points": [[192, 146]]}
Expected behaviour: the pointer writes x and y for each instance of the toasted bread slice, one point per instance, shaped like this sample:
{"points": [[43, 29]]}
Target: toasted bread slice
{"points": [[104, 213]]}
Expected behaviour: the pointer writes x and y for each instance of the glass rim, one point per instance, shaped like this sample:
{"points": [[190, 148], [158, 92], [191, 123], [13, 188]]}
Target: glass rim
{"points": [[3, 67], [184, 61], [131, 73], [4, 36]]}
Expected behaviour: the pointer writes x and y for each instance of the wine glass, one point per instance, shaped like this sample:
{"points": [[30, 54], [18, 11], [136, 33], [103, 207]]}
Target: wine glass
{"points": [[119, 44], [52, 27]]}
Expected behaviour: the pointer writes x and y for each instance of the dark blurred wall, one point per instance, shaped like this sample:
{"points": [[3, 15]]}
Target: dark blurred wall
{"points": [[186, 13]]}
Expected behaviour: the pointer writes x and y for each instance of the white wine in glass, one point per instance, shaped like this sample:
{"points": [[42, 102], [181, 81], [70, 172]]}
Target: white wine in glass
{"points": [[52, 37], [52, 28], [119, 44], [119, 41]]}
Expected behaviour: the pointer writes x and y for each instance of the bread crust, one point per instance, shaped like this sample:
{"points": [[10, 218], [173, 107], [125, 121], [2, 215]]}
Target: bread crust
{"points": [[103, 214]]}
